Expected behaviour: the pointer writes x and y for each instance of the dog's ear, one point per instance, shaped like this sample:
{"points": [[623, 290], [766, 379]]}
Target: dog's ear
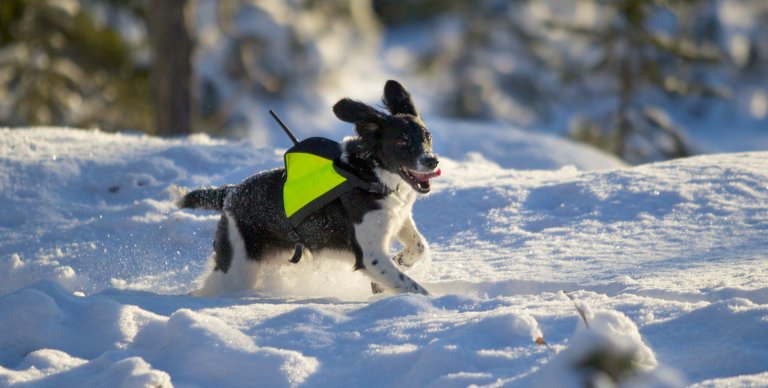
{"points": [[397, 99], [353, 111], [365, 117]]}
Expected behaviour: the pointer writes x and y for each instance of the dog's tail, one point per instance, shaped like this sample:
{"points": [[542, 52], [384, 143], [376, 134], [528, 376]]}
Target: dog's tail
{"points": [[206, 199]]}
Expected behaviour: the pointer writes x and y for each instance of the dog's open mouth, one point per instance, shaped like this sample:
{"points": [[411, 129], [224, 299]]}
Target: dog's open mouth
{"points": [[419, 180]]}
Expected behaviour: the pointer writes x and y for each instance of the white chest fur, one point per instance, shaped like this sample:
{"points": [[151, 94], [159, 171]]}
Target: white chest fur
{"points": [[395, 208]]}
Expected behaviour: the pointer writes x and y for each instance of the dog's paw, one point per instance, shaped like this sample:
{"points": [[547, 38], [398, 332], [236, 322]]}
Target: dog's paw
{"points": [[400, 260], [376, 289], [417, 289], [411, 255], [410, 285], [413, 288]]}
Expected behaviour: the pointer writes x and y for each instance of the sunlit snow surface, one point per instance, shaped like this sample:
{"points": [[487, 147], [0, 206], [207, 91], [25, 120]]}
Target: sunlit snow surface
{"points": [[668, 260]]}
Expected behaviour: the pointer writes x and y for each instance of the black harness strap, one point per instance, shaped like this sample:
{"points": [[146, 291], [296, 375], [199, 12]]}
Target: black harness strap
{"points": [[371, 187], [298, 247]]}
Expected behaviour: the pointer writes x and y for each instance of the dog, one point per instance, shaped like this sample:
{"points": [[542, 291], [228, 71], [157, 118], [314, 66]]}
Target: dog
{"points": [[394, 149]]}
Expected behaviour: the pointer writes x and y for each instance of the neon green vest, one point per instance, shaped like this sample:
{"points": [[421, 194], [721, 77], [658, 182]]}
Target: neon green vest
{"points": [[312, 179]]}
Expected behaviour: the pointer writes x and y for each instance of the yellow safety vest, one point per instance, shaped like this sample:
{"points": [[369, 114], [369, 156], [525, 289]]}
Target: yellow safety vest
{"points": [[314, 178]]}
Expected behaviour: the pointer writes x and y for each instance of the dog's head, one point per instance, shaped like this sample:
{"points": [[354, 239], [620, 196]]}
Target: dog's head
{"points": [[398, 141]]}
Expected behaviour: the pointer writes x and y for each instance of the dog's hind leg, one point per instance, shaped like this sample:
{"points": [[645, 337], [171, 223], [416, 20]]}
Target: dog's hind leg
{"points": [[231, 270], [373, 238]]}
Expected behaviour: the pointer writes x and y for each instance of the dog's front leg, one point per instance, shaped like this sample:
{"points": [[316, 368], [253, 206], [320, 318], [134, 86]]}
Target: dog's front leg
{"points": [[384, 273], [415, 246], [372, 237]]}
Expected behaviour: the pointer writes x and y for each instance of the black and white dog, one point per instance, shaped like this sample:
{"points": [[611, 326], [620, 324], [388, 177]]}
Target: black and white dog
{"points": [[394, 149]]}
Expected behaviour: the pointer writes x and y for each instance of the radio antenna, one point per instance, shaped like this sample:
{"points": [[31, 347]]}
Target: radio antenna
{"points": [[282, 125]]}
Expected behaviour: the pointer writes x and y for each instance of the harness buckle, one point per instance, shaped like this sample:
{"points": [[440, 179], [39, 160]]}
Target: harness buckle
{"points": [[378, 188]]}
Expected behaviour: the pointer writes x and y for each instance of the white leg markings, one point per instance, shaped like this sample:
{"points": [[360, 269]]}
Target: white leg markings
{"points": [[374, 235], [415, 246], [242, 271]]}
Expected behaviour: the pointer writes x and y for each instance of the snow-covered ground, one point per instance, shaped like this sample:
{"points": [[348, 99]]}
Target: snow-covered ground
{"points": [[667, 262]]}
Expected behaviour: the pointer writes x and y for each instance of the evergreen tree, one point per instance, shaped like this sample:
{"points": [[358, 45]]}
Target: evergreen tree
{"points": [[268, 53], [646, 52], [59, 65], [486, 59]]}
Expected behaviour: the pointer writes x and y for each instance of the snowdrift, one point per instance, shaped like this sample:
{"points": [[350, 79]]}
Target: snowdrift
{"points": [[666, 261]]}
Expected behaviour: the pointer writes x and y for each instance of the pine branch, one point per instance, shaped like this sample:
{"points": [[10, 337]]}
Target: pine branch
{"points": [[683, 48]]}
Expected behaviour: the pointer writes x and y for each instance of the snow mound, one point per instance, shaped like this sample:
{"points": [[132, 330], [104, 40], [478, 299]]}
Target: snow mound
{"points": [[122, 341], [609, 352]]}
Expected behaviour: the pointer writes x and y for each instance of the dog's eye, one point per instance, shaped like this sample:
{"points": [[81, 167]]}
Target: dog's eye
{"points": [[401, 142]]}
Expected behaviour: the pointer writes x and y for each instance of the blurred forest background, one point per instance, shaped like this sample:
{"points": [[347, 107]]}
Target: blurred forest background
{"points": [[638, 78]]}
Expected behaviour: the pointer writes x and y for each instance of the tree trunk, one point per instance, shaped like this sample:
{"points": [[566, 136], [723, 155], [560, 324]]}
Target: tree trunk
{"points": [[171, 69], [624, 127]]}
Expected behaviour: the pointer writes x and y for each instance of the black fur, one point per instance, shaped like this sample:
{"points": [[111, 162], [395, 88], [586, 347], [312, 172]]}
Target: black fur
{"points": [[222, 246], [355, 112], [389, 142], [209, 199], [398, 100]]}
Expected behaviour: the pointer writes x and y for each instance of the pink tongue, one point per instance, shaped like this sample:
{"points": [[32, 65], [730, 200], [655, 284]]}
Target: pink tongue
{"points": [[426, 177]]}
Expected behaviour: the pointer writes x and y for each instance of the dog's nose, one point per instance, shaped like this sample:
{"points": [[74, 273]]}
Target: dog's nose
{"points": [[431, 162]]}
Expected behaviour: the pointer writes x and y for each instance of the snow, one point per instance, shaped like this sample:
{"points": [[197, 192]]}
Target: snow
{"points": [[667, 261]]}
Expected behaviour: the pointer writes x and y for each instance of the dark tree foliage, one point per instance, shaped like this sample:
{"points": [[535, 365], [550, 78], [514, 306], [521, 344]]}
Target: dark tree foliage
{"points": [[647, 53], [60, 66], [525, 62], [486, 56]]}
